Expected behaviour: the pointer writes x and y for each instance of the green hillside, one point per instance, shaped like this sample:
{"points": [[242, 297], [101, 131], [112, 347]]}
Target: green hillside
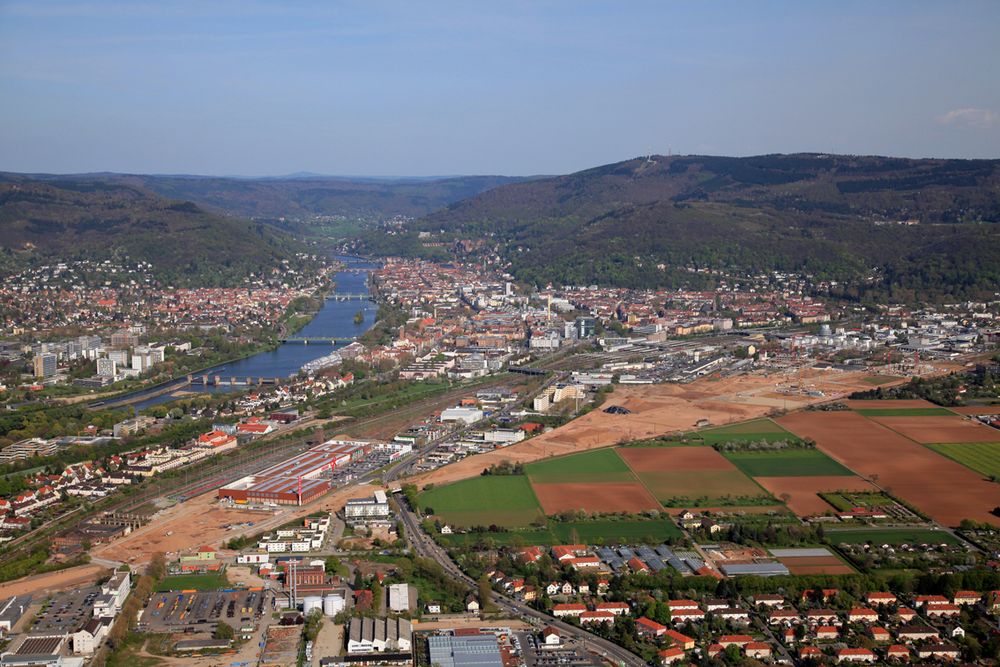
{"points": [[655, 222], [70, 218]]}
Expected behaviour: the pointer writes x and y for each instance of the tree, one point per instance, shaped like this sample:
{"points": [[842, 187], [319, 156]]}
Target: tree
{"points": [[224, 631], [376, 595], [485, 593]]}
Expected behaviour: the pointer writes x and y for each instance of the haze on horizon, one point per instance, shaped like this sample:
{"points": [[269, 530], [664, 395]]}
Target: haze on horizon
{"points": [[393, 88]]}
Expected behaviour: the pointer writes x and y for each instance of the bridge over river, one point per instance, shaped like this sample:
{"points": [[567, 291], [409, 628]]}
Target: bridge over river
{"points": [[319, 340]]}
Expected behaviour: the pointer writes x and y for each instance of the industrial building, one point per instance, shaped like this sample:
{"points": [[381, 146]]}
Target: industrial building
{"points": [[370, 635], [467, 650], [361, 509], [296, 481]]}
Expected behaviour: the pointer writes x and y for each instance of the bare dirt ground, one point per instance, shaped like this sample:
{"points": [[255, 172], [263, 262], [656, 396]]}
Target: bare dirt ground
{"points": [[977, 410], [607, 497], [200, 521], [54, 581], [659, 410], [816, 565], [940, 430], [803, 491], [944, 490], [180, 529]]}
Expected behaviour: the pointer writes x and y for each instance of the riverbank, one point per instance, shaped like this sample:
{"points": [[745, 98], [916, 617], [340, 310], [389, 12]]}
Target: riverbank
{"points": [[272, 359]]}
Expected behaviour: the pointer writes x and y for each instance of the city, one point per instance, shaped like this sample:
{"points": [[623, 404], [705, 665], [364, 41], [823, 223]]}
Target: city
{"points": [[528, 335]]}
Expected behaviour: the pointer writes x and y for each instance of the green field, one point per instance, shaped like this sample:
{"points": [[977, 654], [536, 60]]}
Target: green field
{"points": [[197, 582], [904, 412], [503, 500], [892, 536], [597, 465], [787, 463], [757, 429], [586, 532], [983, 457]]}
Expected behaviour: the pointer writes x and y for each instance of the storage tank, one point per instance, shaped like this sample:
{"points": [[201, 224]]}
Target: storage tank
{"points": [[333, 605], [311, 602]]}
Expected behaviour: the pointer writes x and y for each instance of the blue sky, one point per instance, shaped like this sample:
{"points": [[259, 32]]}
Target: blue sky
{"points": [[430, 88]]}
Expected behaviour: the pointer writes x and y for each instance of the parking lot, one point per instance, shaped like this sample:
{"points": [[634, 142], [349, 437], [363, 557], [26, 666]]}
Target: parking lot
{"points": [[67, 611], [200, 611]]}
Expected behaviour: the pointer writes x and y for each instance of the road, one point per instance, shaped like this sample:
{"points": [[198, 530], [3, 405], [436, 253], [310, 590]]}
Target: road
{"points": [[425, 547]]}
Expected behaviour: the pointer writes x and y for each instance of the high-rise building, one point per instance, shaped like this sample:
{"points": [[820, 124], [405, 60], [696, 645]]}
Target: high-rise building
{"points": [[123, 339], [120, 357], [45, 365], [107, 367]]}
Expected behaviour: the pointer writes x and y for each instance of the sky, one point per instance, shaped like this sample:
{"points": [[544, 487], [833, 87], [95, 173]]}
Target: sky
{"points": [[475, 87]]}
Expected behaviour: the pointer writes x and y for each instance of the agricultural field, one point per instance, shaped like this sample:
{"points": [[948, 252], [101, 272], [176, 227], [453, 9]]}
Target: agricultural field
{"points": [[892, 536], [756, 430], [598, 465], [630, 497], [935, 430], [812, 560], [802, 494], [983, 457], [939, 487], [193, 582], [625, 531], [786, 463], [502, 500], [904, 412], [692, 476]]}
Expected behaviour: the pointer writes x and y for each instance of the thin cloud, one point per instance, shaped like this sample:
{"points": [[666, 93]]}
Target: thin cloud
{"points": [[970, 117]]}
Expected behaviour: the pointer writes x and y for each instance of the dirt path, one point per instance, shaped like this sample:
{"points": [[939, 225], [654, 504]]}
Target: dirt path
{"points": [[54, 581]]}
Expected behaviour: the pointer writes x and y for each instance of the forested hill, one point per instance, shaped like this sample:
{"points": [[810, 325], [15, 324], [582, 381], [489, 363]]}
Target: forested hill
{"points": [[89, 218], [307, 196], [918, 228]]}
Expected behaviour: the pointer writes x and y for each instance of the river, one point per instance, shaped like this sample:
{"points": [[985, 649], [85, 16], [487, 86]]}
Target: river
{"points": [[334, 320]]}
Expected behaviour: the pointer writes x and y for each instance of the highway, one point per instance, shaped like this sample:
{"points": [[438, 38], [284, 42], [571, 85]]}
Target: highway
{"points": [[426, 547]]}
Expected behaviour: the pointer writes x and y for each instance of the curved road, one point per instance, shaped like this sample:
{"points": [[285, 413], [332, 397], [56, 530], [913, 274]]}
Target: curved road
{"points": [[424, 546]]}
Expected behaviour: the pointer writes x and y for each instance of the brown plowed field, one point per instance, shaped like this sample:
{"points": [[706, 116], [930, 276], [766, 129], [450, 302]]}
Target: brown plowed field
{"points": [[978, 410], [816, 565], [944, 490], [803, 491], [669, 459], [940, 430], [629, 497]]}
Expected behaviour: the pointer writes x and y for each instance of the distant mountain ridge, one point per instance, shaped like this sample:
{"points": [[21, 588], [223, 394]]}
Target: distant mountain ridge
{"points": [[915, 227], [69, 217], [304, 195]]}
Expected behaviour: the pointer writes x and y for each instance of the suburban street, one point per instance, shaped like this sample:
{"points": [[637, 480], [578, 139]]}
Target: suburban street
{"points": [[424, 546]]}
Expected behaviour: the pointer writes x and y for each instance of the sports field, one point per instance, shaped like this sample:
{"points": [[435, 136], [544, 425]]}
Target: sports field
{"points": [[983, 457], [597, 465], [786, 463], [894, 536], [193, 582], [503, 500]]}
